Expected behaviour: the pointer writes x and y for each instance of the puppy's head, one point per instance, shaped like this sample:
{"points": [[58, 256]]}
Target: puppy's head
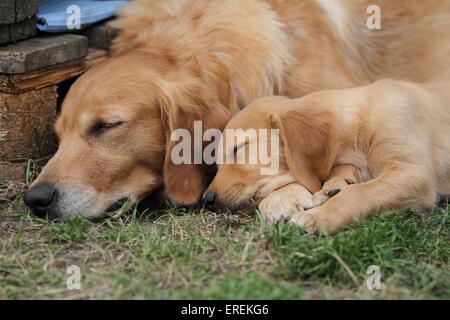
{"points": [[114, 138], [308, 144]]}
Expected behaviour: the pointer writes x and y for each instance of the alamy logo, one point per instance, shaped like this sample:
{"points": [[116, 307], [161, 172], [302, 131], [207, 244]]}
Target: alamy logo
{"points": [[73, 22], [234, 146], [374, 280], [374, 20], [73, 282]]}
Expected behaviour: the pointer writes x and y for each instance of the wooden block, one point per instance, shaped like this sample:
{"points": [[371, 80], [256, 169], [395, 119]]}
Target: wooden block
{"points": [[14, 11], [18, 83], [23, 171], [12, 171], [26, 124], [12, 180], [17, 31], [100, 35], [41, 52], [7, 12]]}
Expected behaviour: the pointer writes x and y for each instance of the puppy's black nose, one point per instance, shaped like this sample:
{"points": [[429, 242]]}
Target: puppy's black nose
{"points": [[41, 197], [209, 198]]}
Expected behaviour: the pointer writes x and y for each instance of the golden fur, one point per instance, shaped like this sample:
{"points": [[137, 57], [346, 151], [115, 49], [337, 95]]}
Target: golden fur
{"points": [[383, 146], [176, 61]]}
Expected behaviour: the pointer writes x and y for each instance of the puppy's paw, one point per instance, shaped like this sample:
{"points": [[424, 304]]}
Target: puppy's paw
{"points": [[330, 188], [285, 202], [318, 220]]}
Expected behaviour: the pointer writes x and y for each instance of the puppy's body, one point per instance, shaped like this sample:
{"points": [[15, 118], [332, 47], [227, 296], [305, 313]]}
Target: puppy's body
{"points": [[396, 134], [178, 61], [390, 122]]}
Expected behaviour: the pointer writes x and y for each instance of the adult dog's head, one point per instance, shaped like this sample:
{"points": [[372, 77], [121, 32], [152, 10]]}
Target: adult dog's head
{"points": [[114, 137]]}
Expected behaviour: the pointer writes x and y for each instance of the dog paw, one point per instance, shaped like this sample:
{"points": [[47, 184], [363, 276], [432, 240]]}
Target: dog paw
{"points": [[285, 202], [317, 220], [329, 190]]}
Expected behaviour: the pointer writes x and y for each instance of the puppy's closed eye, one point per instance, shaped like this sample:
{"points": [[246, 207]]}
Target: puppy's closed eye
{"points": [[100, 127]]}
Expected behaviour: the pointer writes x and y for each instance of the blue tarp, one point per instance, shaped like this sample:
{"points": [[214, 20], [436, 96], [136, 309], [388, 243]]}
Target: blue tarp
{"points": [[53, 15]]}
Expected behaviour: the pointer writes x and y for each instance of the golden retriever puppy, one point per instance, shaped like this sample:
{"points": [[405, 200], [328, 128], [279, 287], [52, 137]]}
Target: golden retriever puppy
{"points": [[383, 146], [175, 62]]}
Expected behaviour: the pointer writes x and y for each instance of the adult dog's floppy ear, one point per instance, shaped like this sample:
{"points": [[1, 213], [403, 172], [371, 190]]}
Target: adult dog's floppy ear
{"points": [[310, 143], [184, 183]]}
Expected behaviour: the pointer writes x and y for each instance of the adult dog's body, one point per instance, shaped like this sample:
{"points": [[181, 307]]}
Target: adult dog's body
{"points": [[178, 61]]}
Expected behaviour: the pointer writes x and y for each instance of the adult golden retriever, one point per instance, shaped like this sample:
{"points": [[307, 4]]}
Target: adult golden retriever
{"points": [[378, 147], [176, 61]]}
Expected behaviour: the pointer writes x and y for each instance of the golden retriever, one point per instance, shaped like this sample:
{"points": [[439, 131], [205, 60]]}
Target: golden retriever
{"points": [[178, 61], [382, 146]]}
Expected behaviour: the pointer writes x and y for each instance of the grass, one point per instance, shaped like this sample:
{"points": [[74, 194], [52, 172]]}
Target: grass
{"points": [[203, 255]]}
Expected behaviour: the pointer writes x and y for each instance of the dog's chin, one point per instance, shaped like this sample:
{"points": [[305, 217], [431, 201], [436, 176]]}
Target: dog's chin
{"points": [[149, 202], [118, 206]]}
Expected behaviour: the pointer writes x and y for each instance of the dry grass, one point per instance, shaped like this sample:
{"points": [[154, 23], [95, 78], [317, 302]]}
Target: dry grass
{"points": [[10, 189]]}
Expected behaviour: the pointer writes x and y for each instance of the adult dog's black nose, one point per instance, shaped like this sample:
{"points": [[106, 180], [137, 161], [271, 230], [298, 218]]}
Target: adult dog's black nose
{"points": [[210, 198], [40, 197]]}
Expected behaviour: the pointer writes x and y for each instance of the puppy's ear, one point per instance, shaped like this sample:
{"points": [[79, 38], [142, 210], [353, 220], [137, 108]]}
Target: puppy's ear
{"points": [[184, 183], [310, 143]]}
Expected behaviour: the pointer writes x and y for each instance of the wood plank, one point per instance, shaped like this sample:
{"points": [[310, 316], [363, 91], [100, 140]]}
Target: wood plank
{"points": [[17, 31], [7, 12], [51, 75], [41, 52], [12, 180], [26, 124], [12, 171], [14, 11], [100, 35]]}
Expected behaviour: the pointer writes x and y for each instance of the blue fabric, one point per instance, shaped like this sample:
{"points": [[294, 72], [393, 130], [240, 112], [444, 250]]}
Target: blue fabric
{"points": [[52, 15]]}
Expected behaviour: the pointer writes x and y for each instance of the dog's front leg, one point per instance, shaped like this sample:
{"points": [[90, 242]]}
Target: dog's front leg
{"points": [[405, 186]]}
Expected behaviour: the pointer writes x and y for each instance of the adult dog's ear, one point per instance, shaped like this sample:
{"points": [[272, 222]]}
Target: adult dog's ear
{"points": [[310, 142], [185, 182]]}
